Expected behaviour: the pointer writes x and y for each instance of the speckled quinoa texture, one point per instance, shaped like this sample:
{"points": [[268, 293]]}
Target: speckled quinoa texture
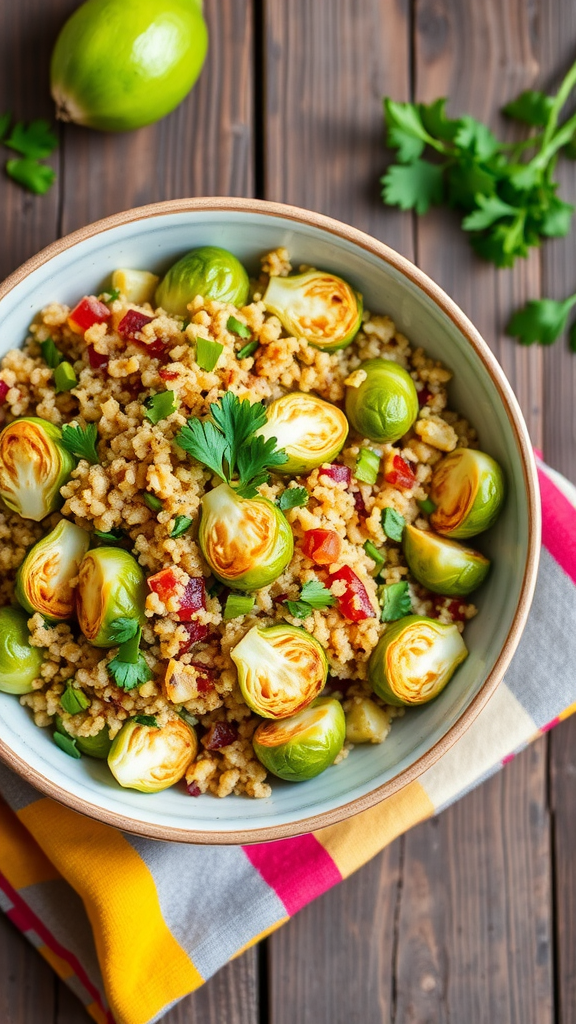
{"points": [[138, 457]]}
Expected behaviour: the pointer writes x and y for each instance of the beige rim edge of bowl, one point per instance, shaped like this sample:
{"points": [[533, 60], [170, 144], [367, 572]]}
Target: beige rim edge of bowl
{"points": [[515, 417]]}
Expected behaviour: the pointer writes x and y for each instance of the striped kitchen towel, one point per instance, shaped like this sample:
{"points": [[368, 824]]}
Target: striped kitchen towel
{"points": [[132, 926]]}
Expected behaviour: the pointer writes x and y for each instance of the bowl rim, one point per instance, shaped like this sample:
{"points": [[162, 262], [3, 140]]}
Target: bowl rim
{"points": [[452, 310]]}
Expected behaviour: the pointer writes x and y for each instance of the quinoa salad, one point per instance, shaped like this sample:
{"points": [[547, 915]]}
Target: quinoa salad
{"points": [[234, 521]]}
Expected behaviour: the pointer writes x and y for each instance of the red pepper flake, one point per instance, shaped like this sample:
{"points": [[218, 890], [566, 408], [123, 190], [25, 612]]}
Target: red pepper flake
{"points": [[194, 789], [196, 632], [167, 375], [88, 312], [424, 397], [96, 359], [360, 506], [221, 734], [339, 474], [354, 604], [4, 389], [400, 474]]}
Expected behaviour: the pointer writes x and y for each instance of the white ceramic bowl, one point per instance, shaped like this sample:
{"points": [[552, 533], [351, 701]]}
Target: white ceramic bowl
{"points": [[152, 238]]}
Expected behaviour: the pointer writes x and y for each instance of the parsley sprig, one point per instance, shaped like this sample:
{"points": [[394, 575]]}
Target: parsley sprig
{"points": [[313, 595], [543, 321], [228, 444], [129, 667], [33, 141], [81, 442], [509, 203]]}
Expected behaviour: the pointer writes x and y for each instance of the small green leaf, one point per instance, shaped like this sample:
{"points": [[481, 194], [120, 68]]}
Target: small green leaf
{"points": [[489, 209], [237, 327], [540, 320], [392, 523], [208, 353], [435, 121], [415, 186], [293, 497], [556, 219], [74, 701], [149, 720], [394, 601], [466, 181], [110, 536], [476, 138], [426, 505], [36, 140], [159, 407], [30, 174], [81, 441], [51, 355], [123, 629], [530, 107], [181, 524], [67, 744]]}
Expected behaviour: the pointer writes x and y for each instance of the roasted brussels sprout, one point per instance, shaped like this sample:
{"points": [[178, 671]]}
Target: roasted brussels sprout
{"points": [[19, 661], [93, 746], [33, 467], [366, 722], [110, 586], [281, 669], [385, 403], [468, 490], [149, 758], [247, 542], [443, 565], [302, 746], [310, 431], [317, 306], [209, 271], [43, 579], [414, 660]]}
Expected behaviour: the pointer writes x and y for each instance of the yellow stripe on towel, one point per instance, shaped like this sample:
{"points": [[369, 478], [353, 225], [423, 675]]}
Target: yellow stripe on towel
{"points": [[121, 901], [23, 862]]}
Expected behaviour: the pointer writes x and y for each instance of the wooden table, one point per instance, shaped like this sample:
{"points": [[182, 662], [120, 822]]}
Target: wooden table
{"points": [[471, 917]]}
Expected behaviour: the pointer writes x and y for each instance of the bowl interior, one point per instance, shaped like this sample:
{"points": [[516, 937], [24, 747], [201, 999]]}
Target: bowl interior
{"points": [[153, 243]]}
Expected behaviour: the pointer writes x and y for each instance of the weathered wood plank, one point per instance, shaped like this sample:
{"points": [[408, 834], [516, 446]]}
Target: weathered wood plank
{"points": [[27, 983]]}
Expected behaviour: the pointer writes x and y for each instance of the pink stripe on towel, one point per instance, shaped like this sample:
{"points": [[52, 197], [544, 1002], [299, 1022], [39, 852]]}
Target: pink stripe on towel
{"points": [[297, 869], [558, 525]]}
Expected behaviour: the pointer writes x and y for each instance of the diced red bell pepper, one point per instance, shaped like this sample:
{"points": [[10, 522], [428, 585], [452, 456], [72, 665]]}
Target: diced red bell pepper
{"points": [[339, 474], [399, 474], [165, 584], [88, 312], [132, 323], [4, 389], [197, 631], [322, 546], [96, 359], [221, 734], [360, 506], [194, 789], [354, 604], [424, 397], [204, 684], [167, 375]]}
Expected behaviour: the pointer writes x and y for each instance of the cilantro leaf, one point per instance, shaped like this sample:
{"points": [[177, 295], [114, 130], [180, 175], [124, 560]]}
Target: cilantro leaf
{"points": [[395, 601], [206, 444], [416, 186], [238, 420], [123, 629], [466, 180], [531, 107], [35, 140], [257, 455], [149, 720], [51, 355], [129, 668], [181, 524], [435, 121], [30, 174], [293, 497], [476, 138], [489, 209], [81, 441], [112, 536], [392, 523], [540, 320], [159, 407], [406, 133], [314, 595], [555, 222]]}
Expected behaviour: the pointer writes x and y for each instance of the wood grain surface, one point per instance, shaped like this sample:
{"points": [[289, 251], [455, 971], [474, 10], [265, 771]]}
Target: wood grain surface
{"points": [[470, 917]]}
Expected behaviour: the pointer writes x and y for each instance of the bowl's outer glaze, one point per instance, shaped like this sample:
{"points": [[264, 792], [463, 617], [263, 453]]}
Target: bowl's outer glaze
{"points": [[152, 238]]}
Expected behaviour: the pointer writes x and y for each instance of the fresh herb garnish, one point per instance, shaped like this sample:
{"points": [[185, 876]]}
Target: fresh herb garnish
{"points": [[51, 355], [293, 497], [395, 601], [181, 524], [509, 203], [149, 720], [31, 175], [123, 629], [208, 353], [237, 327], [377, 557], [81, 442], [129, 668], [67, 744], [110, 536], [392, 523], [313, 595], [229, 446], [64, 377], [159, 407], [542, 321], [154, 504], [73, 701], [247, 350], [112, 294], [35, 141], [426, 505], [237, 605]]}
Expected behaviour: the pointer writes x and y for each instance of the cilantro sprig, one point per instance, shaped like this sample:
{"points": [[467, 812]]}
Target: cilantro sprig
{"points": [[505, 192], [129, 667], [229, 445], [81, 442], [34, 141], [543, 321], [293, 497], [313, 595]]}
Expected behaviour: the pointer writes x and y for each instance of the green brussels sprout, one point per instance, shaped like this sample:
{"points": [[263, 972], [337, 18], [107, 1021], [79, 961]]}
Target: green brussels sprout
{"points": [[247, 542], [366, 722], [468, 490], [209, 271], [414, 660], [310, 431], [281, 669], [19, 661], [43, 579], [33, 467], [443, 565], [302, 746], [93, 746], [149, 758], [111, 586], [385, 404], [316, 306]]}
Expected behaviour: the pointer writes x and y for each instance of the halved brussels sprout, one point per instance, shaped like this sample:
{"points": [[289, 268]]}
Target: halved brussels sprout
{"points": [[281, 669], [33, 467], [443, 565], [302, 746], [414, 660], [468, 490], [317, 306], [385, 405], [366, 722], [43, 579], [19, 661], [149, 758], [310, 430], [93, 746], [137, 286], [247, 542], [111, 586], [209, 271]]}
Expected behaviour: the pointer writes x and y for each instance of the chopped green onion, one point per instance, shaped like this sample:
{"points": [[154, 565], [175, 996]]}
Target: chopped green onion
{"points": [[395, 601], [154, 503], [159, 407], [237, 327], [149, 720], [64, 377], [237, 605], [67, 744], [367, 466], [181, 524], [248, 350], [376, 556], [427, 506], [51, 355], [208, 353], [392, 523], [111, 536], [73, 701]]}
